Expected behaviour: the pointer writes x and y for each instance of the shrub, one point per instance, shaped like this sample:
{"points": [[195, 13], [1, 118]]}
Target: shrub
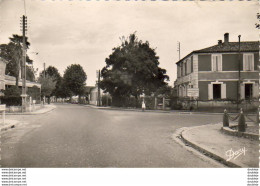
{"points": [[12, 96]]}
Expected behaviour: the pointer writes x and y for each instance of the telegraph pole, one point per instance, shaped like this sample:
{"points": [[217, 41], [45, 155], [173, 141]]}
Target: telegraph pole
{"points": [[179, 49], [44, 74], [99, 104], [239, 75], [24, 95]]}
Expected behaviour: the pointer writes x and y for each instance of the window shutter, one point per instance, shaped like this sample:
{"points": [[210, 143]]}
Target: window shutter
{"points": [[244, 62], [255, 90], [210, 91], [213, 63], [251, 64], [220, 63], [242, 91], [191, 63], [223, 91]]}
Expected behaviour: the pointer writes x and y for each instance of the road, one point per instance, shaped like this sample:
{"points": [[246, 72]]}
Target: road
{"points": [[79, 136]]}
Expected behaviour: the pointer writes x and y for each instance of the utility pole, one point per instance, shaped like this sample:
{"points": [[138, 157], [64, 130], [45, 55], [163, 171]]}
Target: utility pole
{"points": [[239, 75], [179, 49], [24, 95], [99, 104], [44, 74]]}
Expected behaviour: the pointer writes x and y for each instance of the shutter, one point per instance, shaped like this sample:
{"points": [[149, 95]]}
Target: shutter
{"points": [[250, 58], [220, 63], [223, 91], [210, 91], [244, 62], [242, 91], [255, 90], [213, 63]]}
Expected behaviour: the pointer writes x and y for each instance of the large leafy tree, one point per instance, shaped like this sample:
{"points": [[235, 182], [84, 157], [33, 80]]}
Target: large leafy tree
{"points": [[132, 69], [12, 53], [75, 79]]}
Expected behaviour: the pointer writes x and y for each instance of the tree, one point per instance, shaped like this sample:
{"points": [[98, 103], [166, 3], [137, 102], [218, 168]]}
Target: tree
{"points": [[53, 72], [47, 85], [75, 80], [12, 53], [132, 69]]}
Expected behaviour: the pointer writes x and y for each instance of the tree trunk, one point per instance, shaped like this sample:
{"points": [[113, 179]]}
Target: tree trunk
{"points": [[136, 101]]}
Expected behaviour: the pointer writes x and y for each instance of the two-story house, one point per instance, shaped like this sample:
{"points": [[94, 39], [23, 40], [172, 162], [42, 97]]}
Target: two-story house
{"points": [[226, 71]]}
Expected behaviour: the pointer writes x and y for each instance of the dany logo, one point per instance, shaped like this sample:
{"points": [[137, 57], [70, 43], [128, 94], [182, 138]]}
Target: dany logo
{"points": [[235, 154]]}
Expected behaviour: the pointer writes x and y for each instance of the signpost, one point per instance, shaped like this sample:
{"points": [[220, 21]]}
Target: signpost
{"points": [[193, 92]]}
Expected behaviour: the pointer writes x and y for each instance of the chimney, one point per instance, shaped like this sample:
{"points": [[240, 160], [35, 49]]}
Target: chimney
{"points": [[226, 38], [219, 42]]}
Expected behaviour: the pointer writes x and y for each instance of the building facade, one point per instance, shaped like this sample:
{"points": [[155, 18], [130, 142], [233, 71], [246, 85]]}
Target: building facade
{"points": [[6, 80], [226, 71]]}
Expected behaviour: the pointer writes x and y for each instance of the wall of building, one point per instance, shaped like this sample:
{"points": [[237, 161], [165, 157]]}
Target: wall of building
{"points": [[227, 75], [204, 62], [203, 90], [229, 62]]}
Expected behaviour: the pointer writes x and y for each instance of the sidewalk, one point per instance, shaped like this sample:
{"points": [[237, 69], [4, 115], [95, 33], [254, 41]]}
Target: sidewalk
{"points": [[45, 109], [209, 140], [12, 123]]}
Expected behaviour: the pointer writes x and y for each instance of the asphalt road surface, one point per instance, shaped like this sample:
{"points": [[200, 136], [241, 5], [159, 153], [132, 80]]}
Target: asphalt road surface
{"points": [[79, 136]]}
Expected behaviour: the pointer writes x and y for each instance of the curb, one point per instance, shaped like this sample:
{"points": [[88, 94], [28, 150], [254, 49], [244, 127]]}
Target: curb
{"points": [[31, 113], [9, 126], [157, 111], [207, 152]]}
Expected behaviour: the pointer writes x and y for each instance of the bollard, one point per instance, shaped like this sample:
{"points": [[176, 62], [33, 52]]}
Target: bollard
{"points": [[241, 122], [225, 119]]}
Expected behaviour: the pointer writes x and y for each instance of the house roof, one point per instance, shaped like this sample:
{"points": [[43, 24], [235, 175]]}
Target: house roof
{"points": [[246, 46]]}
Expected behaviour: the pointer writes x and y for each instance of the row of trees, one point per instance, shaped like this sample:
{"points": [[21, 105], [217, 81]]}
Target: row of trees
{"points": [[131, 70], [53, 84], [72, 83]]}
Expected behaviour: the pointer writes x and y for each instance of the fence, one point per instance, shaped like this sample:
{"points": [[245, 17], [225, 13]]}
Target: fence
{"points": [[218, 105]]}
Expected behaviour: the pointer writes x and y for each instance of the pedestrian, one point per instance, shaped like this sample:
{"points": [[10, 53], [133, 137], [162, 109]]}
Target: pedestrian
{"points": [[143, 106]]}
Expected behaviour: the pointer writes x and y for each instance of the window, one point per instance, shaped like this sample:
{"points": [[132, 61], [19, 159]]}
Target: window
{"points": [[181, 69], [191, 64], [184, 69], [248, 91], [248, 62], [216, 91], [216, 62], [178, 71]]}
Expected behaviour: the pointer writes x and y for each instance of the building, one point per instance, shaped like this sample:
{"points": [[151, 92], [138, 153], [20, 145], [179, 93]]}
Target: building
{"points": [[225, 71], [6, 80]]}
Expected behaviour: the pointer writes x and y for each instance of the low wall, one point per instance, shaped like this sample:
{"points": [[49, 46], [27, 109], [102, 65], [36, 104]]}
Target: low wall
{"points": [[219, 106], [15, 109], [232, 132]]}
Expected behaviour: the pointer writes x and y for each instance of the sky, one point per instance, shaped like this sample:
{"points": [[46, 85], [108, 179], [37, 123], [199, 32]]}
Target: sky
{"points": [[65, 32]]}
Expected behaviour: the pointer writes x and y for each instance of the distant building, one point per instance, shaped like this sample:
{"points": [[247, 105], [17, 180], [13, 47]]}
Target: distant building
{"points": [[214, 73]]}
